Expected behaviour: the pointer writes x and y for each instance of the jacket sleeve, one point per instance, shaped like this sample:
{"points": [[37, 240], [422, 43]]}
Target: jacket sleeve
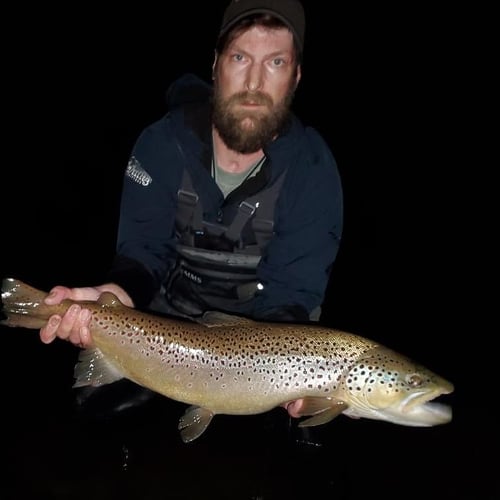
{"points": [[135, 279], [296, 266], [283, 314], [145, 245]]}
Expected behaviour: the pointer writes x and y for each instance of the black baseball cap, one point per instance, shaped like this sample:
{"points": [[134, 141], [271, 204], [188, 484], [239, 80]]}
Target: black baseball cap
{"points": [[290, 12]]}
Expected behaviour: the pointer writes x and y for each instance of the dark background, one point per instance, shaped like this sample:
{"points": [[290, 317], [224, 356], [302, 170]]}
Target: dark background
{"points": [[79, 86]]}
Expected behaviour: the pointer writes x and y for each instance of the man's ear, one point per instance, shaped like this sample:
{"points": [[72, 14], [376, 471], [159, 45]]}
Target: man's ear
{"points": [[298, 76], [214, 64]]}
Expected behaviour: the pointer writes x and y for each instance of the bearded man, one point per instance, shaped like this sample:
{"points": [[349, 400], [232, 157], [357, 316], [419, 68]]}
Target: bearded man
{"points": [[229, 202]]}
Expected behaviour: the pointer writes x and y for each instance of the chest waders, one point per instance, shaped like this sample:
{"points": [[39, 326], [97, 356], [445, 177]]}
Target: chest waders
{"points": [[216, 265]]}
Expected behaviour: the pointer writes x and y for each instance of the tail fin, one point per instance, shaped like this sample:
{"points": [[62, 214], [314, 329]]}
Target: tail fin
{"points": [[22, 305]]}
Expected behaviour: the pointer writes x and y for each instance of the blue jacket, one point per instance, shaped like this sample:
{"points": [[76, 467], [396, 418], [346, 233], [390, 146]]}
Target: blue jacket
{"points": [[308, 218]]}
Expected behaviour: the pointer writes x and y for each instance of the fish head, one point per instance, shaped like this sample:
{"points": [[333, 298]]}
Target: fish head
{"points": [[384, 385]]}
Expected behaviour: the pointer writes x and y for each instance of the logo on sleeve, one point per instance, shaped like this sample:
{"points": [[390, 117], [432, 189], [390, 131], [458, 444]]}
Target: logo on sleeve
{"points": [[137, 173]]}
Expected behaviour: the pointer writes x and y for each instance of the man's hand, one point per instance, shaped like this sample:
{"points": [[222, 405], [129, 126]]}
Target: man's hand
{"points": [[294, 408], [74, 324]]}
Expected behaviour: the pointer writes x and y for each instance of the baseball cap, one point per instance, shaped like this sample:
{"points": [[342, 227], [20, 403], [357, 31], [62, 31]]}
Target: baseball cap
{"points": [[290, 12]]}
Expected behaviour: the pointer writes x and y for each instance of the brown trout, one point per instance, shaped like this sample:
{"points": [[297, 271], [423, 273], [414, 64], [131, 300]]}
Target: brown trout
{"points": [[225, 364]]}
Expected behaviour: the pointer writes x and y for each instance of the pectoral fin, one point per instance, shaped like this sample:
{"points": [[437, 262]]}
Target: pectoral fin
{"points": [[322, 410], [194, 422]]}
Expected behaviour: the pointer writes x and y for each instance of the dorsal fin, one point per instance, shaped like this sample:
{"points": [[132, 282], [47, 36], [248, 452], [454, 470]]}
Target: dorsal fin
{"points": [[109, 299], [217, 318]]}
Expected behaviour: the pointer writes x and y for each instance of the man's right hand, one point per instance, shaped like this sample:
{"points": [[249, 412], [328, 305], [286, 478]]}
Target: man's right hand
{"points": [[74, 324]]}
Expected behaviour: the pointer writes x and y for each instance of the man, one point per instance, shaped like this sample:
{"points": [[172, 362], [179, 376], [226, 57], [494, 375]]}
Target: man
{"points": [[229, 202]]}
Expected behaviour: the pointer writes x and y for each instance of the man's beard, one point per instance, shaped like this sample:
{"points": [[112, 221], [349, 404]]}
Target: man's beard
{"points": [[264, 127]]}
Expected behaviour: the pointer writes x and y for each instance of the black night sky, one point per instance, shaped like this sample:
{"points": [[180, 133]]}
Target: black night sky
{"points": [[79, 86]]}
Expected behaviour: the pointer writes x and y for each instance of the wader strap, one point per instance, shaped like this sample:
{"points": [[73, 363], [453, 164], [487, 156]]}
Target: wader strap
{"points": [[245, 212], [258, 208], [263, 222], [189, 211], [263, 230]]}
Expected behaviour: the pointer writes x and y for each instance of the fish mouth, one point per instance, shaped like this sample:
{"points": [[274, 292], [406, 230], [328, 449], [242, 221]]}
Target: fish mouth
{"points": [[422, 409]]}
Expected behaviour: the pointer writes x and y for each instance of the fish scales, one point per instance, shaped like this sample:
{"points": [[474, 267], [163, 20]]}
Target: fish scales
{"points": [[223, 364], [237, 370]]}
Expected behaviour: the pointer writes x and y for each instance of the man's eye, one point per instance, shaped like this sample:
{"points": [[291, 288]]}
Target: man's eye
{"points": [[278, 61]]}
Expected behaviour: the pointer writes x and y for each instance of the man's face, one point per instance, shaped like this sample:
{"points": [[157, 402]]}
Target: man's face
{"points": [[254, 83]]}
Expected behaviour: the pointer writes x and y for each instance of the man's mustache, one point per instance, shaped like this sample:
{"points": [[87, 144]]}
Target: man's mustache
{"points": [[251, 98]]}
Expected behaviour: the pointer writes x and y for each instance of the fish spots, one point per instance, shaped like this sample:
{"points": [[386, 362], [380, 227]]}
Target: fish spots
{"points": [[216, 376], [247, 358]]}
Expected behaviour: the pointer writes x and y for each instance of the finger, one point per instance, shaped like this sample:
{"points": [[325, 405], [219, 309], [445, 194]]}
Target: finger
{"points": [[80, 333], [85, 336], [48, 332], [69, 322], [57, 294], [294, 408]]}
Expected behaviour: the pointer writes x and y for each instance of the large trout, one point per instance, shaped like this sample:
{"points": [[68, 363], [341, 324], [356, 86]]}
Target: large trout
{"points": [[230, 365]]}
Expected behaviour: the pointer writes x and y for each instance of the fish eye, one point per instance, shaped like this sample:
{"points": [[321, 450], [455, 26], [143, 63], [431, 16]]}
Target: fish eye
{"points": [[414, 379]]}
